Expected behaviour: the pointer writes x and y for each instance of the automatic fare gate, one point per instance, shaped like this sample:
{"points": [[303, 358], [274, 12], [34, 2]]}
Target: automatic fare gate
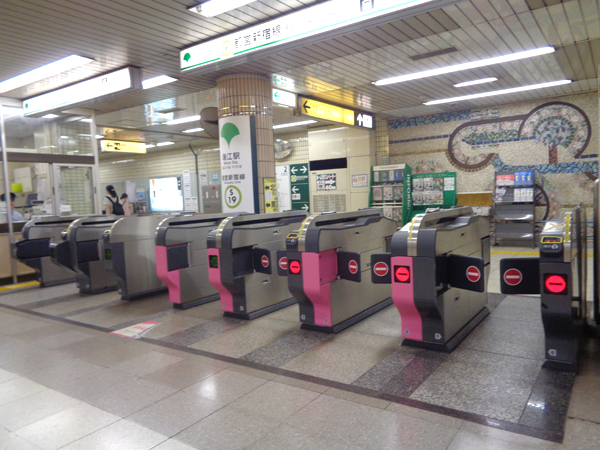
{"points": [[559, 275], [438, 267], [244, 258], [328, 267], [181, 259]]}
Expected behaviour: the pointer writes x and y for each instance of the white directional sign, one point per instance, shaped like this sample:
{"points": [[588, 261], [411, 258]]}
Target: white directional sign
{"points": [[284, 98]]}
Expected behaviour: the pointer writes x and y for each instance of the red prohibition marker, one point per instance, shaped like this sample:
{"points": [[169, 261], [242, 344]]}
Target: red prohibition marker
{"points": [[381, 269], [473, 274], [556, 284], [512, 277], [283, 263], [353, 267], [264, 260], [402, 274], [295, 267]]}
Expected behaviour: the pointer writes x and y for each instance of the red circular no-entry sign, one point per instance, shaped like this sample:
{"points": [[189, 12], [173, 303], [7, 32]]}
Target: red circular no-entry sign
{"points": [[283, 263], [381, 269], [512, 277], [556, 284], [295, 267], [264, 260], [473, 274], [353, 267], [402, 274]]}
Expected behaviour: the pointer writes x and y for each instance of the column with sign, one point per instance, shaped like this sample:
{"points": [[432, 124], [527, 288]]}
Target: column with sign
{"points": [[237, 139], [299, 186]]}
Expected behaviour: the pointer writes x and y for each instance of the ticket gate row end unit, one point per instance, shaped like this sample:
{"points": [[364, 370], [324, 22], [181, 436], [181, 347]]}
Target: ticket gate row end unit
{"points": [[82, 251], [559, 276], [244, 265], [34, 249], [181, 257], [438, 266], [328, 264], [129, 254]]}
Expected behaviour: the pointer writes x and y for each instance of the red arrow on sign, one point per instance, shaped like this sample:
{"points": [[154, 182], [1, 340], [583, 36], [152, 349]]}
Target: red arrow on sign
{"points": [[283, 263], [353, 267], [264, 260], [473, 274], [381, 269], [512, 277]]}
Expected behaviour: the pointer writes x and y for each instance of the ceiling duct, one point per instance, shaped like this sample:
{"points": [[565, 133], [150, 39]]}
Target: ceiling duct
{"points": [[443, 51]]}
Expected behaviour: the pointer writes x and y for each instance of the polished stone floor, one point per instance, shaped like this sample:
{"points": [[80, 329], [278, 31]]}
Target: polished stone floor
{"points": [[199, 380]]}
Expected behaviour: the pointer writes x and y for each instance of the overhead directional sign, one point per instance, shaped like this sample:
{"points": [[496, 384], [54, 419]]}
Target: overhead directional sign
{"points": [[299, 186], [122, 146], [300, 25], [284, 98], [333, 113]]}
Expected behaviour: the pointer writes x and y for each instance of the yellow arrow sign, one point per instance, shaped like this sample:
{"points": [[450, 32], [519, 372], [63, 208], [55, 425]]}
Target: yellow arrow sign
{"points": [[326, 111], [108, 145]]}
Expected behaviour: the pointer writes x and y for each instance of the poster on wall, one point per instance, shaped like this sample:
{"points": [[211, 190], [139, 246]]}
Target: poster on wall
{"points": [[270, 193], [326, 182], [237, 141], [284, 198], [361, 180], [130, 190]]}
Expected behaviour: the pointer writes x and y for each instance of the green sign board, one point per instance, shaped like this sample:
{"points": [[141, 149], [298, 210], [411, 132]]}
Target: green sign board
{"points": [[431, 190], [299, 186]]}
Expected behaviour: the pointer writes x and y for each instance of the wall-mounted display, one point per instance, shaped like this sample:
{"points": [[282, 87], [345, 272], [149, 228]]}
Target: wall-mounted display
{"points": [[166, 194]]}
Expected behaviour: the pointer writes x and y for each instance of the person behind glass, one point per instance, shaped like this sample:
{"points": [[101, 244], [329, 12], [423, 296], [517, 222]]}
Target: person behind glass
{"points": [[112, 205], [125, 204], [16, 217]]}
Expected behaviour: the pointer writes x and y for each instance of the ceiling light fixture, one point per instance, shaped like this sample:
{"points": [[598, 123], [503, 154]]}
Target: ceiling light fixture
{"points": [[182, 120], [64, 137], [99, 136], [215, 7], [194, 130], [157, 81], [56, 67], [295, 124], [162, 144], [84, 120], [150, 146], [500, 92], [466, 66], [474, 82], [50, 116]]}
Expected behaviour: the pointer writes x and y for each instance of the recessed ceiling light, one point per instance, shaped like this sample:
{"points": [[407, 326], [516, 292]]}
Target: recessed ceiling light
{"points": [[500, 92], [215, 7], [150, 145], [162, 144], [99, 136], [157, 81], [182, 120], [194, 130], [56, 67], [466, 66], [50, 116], [474, 82], [295, 124], [86, 120], [64, 137]]}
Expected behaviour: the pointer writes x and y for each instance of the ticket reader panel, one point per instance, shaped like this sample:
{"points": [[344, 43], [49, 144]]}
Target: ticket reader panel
{"points": [[34, 249], [241, 254], [438, 268], [328, 265], [181, 258], [83, 250], [559, 277]]}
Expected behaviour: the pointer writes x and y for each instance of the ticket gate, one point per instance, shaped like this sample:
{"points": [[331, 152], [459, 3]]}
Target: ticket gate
{"points": [[181, 258], [559, 275], [328, 265], [438, 267], [82, 251], [243, 259], [129, 254], [34, 249]]}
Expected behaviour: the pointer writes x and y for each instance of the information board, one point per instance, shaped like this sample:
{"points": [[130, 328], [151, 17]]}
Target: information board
{"points": [[299, 187]]}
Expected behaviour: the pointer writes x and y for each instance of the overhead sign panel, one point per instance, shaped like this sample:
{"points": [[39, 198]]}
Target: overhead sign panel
{"points": [[333, 113], [108, 145], [302, 24], [88, 91], [284, 98]]}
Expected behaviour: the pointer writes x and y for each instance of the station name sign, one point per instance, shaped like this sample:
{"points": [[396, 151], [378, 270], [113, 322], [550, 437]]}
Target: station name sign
{"points": [[302, 24], [88, 91], [333, 113], [108, 145]]}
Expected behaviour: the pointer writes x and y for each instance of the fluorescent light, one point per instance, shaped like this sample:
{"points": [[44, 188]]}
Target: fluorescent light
{"points": [[182, 120], [500, 92], [194, 130], [295, 124], [85, 120], [466, 66], [215, 7], [56, 67], [474, 82], [64, 137], [50, 116], [161, 144], [99, 136], [150, 146], [157, 81]]}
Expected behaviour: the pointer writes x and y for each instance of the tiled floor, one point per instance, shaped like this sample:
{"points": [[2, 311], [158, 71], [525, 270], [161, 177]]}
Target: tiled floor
{"points": [[64, 385]]}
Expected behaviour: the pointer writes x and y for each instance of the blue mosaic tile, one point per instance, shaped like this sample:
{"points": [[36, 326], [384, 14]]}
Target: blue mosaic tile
{"points": [[572, 167]]}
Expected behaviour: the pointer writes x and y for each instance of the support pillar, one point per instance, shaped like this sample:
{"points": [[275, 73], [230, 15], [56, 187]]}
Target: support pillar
{"points": [[250, 94]]}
